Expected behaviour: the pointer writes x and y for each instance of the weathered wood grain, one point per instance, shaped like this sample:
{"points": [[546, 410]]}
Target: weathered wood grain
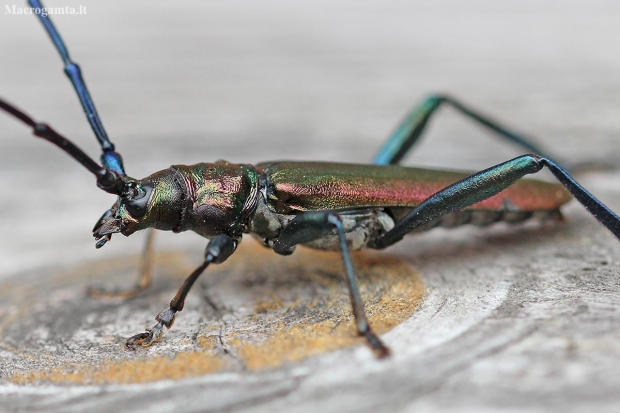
{"points": [[516, 318]]}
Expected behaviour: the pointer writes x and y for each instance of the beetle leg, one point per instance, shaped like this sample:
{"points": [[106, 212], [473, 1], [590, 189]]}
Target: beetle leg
{"points": [[412, 127], [487, 183], [144, 274], [218, 250], [314, 225]]}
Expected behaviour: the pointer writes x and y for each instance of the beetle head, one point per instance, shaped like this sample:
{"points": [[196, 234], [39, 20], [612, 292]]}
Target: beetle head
{"points": [[128, 214], [158, 201]]}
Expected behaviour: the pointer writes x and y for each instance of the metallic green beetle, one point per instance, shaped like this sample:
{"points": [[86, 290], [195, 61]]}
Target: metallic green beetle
{"points": [[331, 206]]}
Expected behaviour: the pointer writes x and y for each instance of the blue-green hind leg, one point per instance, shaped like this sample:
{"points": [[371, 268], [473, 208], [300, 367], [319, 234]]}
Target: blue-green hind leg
{"points": [[311, 226], [487, 183], [409, 131]]}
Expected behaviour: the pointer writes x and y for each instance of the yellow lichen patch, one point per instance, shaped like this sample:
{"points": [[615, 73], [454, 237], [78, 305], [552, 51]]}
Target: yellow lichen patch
{"points": [[179, 366], [390, 289], [271, 303], [257, 310], [207, 342], [294, 344]]}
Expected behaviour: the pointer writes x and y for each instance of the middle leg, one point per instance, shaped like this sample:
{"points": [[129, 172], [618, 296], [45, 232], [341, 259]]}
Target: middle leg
{"points": [[311, 226]]}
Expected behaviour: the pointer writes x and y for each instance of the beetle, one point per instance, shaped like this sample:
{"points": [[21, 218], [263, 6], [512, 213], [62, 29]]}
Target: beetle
{"points": [[320, 205]]}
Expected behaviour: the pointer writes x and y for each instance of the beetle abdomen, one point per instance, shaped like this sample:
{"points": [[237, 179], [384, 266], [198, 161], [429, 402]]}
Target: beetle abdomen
{"points": [[479, 217]]}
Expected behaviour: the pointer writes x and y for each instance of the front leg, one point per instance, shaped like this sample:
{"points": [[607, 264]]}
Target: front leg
{"points": [[218, 250], [311, 226]]}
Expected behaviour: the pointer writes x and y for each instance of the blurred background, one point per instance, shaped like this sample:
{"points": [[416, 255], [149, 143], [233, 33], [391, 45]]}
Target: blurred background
{"points": [[252, 81], [517, 318]]}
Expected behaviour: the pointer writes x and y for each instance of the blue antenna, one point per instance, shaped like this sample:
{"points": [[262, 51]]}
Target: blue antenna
{"points": [[110, 158]]}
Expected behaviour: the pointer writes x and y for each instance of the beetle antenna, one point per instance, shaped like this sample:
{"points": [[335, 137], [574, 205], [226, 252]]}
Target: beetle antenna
{"points": [[107, 179], [110, 158]]}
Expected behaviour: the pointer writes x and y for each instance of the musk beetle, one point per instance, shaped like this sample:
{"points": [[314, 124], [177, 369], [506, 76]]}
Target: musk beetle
{"points": [[329, 206]]}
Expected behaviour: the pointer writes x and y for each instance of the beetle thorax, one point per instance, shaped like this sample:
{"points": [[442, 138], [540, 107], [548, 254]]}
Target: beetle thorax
{"points": [[209, 198]]}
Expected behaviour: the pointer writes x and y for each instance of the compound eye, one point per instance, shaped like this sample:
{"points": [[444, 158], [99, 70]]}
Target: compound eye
{"points": [[137, 207]]}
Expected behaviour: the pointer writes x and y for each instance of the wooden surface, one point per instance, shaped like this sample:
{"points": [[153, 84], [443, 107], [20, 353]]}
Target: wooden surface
{"points": [[256, 312], [515, 318]]}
